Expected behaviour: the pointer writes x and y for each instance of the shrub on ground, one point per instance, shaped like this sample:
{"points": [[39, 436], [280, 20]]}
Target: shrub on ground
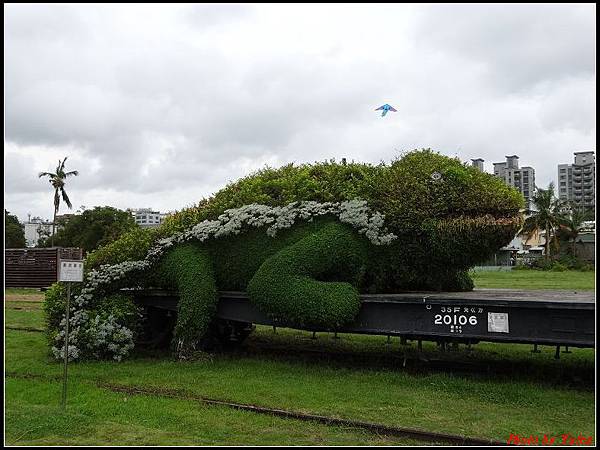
{"points": [[55, 301], [109, 330], [557, 264]]}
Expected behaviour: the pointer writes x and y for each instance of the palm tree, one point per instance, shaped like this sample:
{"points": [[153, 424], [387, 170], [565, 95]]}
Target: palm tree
{"points": [[57, 180], [547, 215], [573, 223]]}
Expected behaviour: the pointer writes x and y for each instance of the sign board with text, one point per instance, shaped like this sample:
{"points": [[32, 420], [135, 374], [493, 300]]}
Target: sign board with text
{"points": [[70, 270]]}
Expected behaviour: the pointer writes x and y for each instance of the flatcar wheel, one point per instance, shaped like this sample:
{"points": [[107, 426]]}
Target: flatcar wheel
{"points": [[241, 330], [158, 325], [226, 334]]}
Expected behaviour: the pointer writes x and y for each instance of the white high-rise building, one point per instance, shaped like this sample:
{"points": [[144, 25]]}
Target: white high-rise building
{"points": [[521, 178], [577, 181]]}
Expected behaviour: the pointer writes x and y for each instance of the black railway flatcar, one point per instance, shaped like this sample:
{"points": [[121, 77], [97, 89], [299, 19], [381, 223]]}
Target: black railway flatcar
{"points": [[494, 315]]}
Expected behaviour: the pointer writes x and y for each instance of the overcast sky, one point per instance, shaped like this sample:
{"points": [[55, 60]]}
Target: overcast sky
{"points": [[159, 105]]}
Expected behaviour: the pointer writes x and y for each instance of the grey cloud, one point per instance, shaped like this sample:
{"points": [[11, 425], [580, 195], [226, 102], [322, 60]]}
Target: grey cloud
{"points": [[45, 22], [167, 109], [519, 45], [571, 105], [19, 177], [205, 16]]}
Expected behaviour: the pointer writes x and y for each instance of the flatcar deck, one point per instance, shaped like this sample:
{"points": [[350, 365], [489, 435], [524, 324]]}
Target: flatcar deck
{"points": [[495, 315], [495, 294]]}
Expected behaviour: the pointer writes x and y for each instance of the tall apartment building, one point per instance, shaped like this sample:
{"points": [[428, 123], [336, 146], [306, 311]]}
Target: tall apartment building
{"points": [[146, 217], [521, 178], [577, 181], [478, 162]]}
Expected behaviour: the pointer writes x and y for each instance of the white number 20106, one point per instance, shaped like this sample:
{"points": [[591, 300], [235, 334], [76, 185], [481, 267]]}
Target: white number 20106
{"points": [[448, 319]]}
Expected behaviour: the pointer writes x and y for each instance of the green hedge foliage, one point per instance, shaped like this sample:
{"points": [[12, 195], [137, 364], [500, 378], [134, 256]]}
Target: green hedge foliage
{"points": [[131, 246], [55, 301], [403, 190], [189, 269], [313, 283], [558, 264], [322, 182]]}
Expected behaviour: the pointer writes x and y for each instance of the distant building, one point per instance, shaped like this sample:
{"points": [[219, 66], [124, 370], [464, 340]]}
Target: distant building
{"points": [[146, 217], [524, 248], [577, 181], [63, 218], [478, 163], [521, 178], [585, 247], [36, 229]]}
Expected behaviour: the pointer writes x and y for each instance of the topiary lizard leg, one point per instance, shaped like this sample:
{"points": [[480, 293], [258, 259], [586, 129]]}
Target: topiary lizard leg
{"points": [[189, 269], [287, 285]]}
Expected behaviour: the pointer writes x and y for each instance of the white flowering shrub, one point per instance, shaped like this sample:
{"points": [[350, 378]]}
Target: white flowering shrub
{"points": [[96, 336]]}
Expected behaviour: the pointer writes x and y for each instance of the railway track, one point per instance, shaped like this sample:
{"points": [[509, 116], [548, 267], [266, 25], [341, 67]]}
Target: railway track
{"points": [[30, 329], [428, 436], [422, 435]]}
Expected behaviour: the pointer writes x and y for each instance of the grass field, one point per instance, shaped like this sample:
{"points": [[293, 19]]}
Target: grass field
{"points": [[535, 279], [32, 292], [355, 377]]}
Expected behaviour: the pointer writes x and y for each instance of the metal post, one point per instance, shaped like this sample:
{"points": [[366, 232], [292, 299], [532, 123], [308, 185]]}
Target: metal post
{"points": [[566, 350], [557, 354], [64, 392], [535, 349], [420, 345], [314, 336]]}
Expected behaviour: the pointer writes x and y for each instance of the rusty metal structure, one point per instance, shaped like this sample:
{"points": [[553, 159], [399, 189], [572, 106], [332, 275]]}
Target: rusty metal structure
{"points": [[35, 267]]}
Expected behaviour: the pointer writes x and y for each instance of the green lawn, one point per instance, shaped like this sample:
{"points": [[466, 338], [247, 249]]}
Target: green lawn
{"points": [[99, 417], [355, 377], [535, 279], [23, 319], [22, 291]]}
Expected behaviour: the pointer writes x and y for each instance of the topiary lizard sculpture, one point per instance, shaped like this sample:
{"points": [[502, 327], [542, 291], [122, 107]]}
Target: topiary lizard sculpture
{"points": [[305, 241]]}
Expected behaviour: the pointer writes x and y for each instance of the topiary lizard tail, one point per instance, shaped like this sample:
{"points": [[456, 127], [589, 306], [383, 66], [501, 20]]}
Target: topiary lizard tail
{"points": [[287, 288]]}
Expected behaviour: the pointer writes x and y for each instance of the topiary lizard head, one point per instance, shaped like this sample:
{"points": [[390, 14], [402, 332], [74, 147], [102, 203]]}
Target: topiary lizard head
{"points": [[461, 214]]}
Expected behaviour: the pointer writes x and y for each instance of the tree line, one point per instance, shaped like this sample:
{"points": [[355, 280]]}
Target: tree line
{"points": [[561, 220], [89, 230]]}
